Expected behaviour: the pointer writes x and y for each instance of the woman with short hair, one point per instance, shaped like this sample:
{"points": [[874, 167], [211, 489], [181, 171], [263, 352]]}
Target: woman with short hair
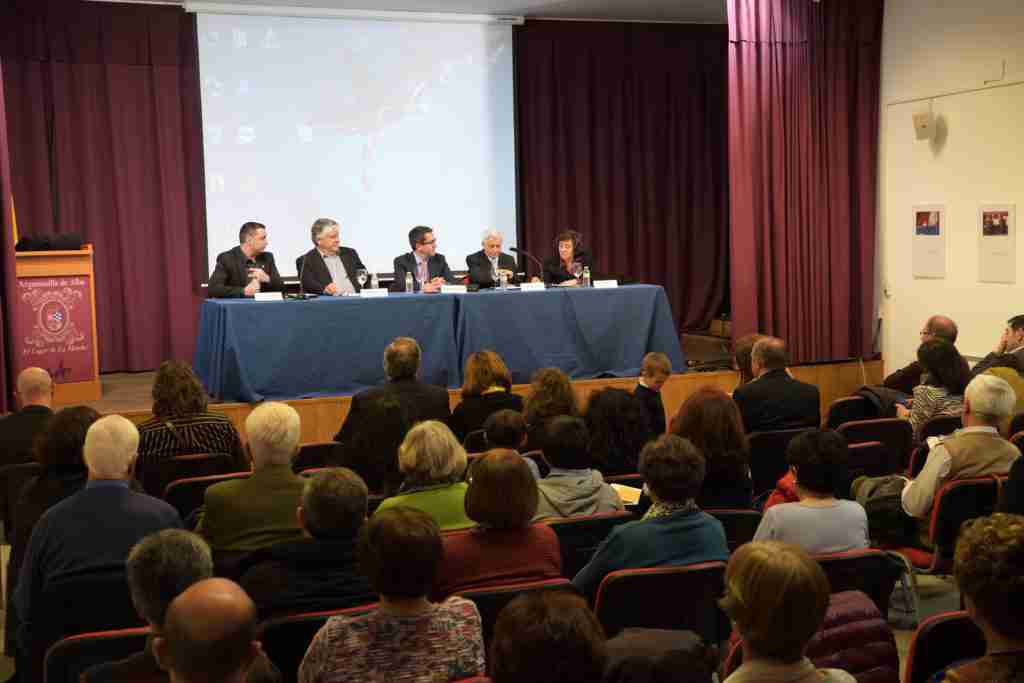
{"points": [[486, 390]]}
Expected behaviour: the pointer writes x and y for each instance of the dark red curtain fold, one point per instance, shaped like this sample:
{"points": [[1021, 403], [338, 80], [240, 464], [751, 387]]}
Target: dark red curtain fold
{"points": [[7, 281], [804, 81], [622, 136], [105, 140]]}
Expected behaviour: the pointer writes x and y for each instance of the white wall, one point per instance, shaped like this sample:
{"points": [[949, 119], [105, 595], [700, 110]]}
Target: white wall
{"points": [[931, 47]]}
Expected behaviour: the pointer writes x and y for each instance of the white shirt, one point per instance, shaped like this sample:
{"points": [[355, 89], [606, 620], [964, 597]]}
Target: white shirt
{"points": [[918, 494]]}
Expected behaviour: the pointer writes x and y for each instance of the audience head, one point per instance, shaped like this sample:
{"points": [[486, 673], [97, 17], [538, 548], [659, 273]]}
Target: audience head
{"points": [[988, 400], [565, 443], [989, 570], [547, 637], [943, 365], [1014, 332], [655, 369], [550, 394], [400, 552], [776, 596], [502, 492], [326, 235], [430, 454], [177, 391], [61, 444], [35, 387], [422, 240], [505, 429], [161, 566], [491, 242], [741, 356], [402, 358], [273, 431], [711, 421], [209, 634], [333, 504], [768, 354], [619, 427], [485, 369], [111, 446], [672, 468], [818, 460], [940, 327]]}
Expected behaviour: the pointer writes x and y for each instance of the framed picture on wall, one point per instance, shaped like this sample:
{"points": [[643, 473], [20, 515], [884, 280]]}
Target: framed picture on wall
{"points": [[997, 243], [928, 235]]}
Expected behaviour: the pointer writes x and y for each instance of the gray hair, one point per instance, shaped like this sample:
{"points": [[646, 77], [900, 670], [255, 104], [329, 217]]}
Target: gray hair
{"points": [[402, 358], [161, 566], [490, 233], [34, 384], [111, 446], [334, 503], [322, 225], [991, 398], [273, 430]]}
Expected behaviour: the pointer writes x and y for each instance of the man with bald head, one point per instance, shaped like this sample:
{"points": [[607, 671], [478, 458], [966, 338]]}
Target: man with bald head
{"points": [[774, 400], [936, 327], [209, 635], [18, 430]]}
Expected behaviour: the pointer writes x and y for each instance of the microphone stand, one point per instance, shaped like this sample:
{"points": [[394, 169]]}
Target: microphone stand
{"points": [[302, 290], [530, 256]]}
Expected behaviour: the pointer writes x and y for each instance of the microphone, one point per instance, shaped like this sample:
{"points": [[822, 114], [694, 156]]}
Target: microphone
{"points": [[302, 290], [529, 256]]}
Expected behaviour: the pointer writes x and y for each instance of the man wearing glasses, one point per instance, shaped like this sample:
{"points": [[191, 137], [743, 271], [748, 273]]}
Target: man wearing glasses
{"points": [[937, 327], [428, 268]]}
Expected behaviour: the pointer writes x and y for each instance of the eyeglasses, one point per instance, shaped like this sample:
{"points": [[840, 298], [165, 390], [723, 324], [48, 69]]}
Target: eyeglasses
{"points": [[427, 244]]}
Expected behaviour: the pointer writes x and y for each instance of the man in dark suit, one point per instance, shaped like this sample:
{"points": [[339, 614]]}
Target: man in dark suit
{"points": [[1009, 352], [329, 268], [247, 268], [419, 401], [429, 269], [18, 430], [774, 400], [486, 265]]}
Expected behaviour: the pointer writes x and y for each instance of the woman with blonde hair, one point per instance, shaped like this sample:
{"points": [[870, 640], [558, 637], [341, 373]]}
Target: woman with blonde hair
{"points": [[487, 388]]}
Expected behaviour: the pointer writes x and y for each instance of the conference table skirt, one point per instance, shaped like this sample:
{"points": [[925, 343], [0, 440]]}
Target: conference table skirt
{"points": [[261, 350]]}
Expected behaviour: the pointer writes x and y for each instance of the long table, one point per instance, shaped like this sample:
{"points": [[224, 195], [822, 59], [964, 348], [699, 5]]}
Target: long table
{"points": [[280, 350]]}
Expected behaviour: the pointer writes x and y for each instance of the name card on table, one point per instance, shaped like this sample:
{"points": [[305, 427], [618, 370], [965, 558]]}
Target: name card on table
{"points": [[373, 293], [532, 287], [268, 296], [606, 284], [453, 289]]}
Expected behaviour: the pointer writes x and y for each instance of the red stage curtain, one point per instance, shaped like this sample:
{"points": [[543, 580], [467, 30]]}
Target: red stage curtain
{"points": [[104, 132], [622, 136], [804, 83], [7, 281]]}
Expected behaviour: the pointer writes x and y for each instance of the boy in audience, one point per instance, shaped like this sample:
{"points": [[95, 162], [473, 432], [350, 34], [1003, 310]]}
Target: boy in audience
{"points": [[654, 371], [572, 487]]}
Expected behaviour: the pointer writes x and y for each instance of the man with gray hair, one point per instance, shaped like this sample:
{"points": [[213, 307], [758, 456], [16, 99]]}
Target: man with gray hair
{"points": [[486, 265], [19, 430], [242, 515], [775, 400], [93, 530], [329, 268]]}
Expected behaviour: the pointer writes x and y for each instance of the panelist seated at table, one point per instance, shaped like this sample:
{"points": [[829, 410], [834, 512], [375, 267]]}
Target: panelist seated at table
{"points": [[429, 269], [329, 268], [486, 265], [247, 268], [560, 269]]}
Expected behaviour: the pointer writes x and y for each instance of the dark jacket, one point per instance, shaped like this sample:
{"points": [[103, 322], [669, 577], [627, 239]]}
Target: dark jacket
{"points": [[473, 411], [231, 276], [18, 432], [554, 273], [480, 268], [420, 402], [437, 266], [143, 668], [993, 360], [777, 401], [653, 406], [315, 275]]}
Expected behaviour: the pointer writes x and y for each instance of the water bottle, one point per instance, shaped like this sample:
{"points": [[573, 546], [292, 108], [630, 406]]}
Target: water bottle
{"points": [[586, 277], [374, 282], [503, 280], [408, 282]]}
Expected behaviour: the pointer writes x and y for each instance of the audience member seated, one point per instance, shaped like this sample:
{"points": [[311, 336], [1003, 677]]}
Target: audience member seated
{"points": [[420, 401], [1011, 343], [776, 597], [181, 424], [741, 353], [319, 570], [818, 523], [19, 430], [486, 389], [505, 546], [209, 635], [711, 421], [989, 571], [572, 487], [160, 567], [242, 515], [79, 534], [619, 428], [941, 391], [550, 395], [674, 531], [651, 655], [1012, 495], [655, 369], [372, 450], [547, 637], [407, 638], [773, 400], [434, 464], [937, 327], [507, 429]]}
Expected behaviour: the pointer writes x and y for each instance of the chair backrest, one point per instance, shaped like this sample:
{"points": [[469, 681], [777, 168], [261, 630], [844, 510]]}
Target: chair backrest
{"points": [[490, 601], [475, 441], [12, 480], [871, 459], [579, 537], [286, 639], [869, 570], [941, 640], [939, 426], [955, 503], [186, 495], [740, 525], [313, 455], [156, 476], [849, 409], [768, 457], [640, 598], [70, 657], [894, 432]]}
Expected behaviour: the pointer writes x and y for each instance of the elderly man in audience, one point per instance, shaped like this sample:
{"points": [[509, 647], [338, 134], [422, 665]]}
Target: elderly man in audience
{"points": [[94, 529], [19, 429], [774, 400], [318, 571], [209, 635], [936, 327], [420, 401], [243, 515], [572, 487], [160, 567]]}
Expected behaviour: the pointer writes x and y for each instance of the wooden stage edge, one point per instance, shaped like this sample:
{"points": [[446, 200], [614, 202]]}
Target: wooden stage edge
{"points": [[321, 417]]}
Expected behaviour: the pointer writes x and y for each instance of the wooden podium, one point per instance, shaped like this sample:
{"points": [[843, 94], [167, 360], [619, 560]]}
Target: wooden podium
{"points": [[55, 319]]}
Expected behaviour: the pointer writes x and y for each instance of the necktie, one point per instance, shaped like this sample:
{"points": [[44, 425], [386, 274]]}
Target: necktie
{"points": [[423, 271]]}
